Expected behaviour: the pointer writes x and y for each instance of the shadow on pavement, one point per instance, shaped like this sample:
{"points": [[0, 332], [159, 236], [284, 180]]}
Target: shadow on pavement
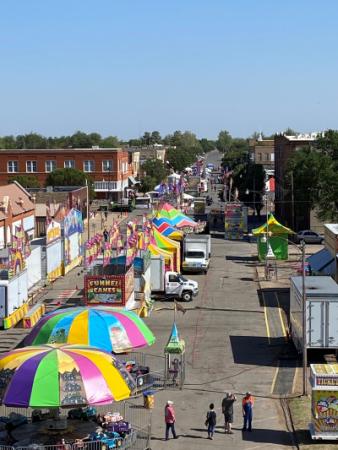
{"points": [[241, 258], [267, 436], [255, 350]]}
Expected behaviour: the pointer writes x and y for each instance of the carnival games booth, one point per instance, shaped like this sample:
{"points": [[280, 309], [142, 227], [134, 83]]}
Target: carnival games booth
{"points": [[277, 239]]}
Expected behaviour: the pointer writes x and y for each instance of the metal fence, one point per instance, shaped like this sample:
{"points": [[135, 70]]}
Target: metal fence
{"points": [[132, 411]]}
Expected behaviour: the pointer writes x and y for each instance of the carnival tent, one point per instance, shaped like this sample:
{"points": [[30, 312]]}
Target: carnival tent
{"points": [[113, 330], [169, 245], [168, 256], [174, 217], [167, 230], [53, 376], [277, 239]]}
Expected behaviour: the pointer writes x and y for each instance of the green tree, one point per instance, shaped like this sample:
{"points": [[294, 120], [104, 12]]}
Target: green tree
{"points": [[207, 145], [135, 143], [26, 181], [66, 177], [250, 182], [156, 137], [147, 184], [224, 140], [7, 142], [237, 155], [305, 180], [31, 140], [290, 132], [110, 142], [154, 168]]}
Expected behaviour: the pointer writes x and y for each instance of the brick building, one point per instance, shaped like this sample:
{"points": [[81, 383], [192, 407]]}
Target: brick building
{"points": [[263, 152], [288, 212], [17, 211], [109, 168]]}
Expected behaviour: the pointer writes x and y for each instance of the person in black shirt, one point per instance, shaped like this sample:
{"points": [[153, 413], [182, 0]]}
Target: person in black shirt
{"points": [[211, 421], [228, 411]]}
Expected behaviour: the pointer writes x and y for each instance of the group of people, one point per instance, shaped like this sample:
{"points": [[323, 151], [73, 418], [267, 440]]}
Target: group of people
{"points": [[211, 418]]}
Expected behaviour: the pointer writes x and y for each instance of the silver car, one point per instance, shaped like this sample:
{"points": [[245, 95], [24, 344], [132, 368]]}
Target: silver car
{"points": [[309, 237]]}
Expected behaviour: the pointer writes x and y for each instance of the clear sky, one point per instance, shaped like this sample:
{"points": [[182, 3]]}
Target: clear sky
{"points": [[123, 67]]}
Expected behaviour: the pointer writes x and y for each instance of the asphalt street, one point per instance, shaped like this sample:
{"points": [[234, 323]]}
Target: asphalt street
{"points": [[227, 349]]}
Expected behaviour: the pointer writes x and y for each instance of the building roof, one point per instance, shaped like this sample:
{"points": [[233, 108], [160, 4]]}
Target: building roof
{"points": [[61, 150], [303, 137], [17, 197], [333, 227]]}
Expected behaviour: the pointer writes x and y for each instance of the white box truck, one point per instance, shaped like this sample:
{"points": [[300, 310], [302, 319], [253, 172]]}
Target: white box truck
{"points": [[321, 312], [170, 284], [196, 253]]}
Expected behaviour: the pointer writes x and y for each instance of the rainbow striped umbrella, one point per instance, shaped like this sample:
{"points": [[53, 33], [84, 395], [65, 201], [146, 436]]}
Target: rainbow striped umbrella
{"points": [[113, 330], [52, 376]]}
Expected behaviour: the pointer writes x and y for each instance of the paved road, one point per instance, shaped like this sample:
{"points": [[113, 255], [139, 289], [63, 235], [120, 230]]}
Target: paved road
{"points": [[227, 349]]}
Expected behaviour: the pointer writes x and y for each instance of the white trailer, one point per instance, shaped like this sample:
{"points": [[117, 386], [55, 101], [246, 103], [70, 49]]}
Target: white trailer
{"points": [[321, 312]]}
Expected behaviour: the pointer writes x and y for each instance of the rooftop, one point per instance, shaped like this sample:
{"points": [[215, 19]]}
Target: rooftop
{"points": [[16, 197], [59, 150], [333, 227], [315, 286]]}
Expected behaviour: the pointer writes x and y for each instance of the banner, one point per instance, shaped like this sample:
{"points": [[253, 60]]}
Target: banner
{"points": [[73, 223]]}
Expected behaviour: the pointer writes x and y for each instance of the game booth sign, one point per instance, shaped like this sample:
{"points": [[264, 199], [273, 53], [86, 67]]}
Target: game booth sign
{"points": [[72, 231], [110, 289], [54, 251]]}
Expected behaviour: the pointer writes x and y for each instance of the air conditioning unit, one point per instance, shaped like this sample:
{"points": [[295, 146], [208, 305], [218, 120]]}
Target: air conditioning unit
{"points": [[95, 147]]}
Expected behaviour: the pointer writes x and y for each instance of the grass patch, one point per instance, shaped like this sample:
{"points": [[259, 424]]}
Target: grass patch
{"points": [[301, 416]]}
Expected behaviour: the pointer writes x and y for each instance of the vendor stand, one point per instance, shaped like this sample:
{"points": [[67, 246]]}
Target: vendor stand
{"points": [[324, 402]]}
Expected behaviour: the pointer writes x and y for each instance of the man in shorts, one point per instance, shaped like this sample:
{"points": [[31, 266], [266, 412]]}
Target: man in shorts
{"points": [[228, 411]]}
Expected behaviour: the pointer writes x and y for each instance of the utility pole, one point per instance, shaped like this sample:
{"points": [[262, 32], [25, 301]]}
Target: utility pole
{"points": [[304, 321], [87, 202], [292, 202]]}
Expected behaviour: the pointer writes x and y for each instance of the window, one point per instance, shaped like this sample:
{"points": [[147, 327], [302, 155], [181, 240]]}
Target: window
{"points": [[107, 165], [69, 164], [50, 165], [12, 166], [173, 279], [88, 166], [31, 166], [267, 158]]}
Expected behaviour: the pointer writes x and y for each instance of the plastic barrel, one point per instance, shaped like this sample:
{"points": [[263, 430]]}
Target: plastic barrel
{"points": [[149, 399]]}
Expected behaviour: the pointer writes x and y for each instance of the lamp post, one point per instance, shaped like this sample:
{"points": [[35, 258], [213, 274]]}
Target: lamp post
{"points": [[304, 321]]}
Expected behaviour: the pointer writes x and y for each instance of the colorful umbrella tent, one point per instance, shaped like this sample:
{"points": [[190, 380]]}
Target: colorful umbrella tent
{"points": [[175, 217], [107, 328], [277, 239], [169, 245], [52, 376], [167, 230]]}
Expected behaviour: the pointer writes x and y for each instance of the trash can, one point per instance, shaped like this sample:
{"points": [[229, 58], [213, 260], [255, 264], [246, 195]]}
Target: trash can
{"points": [[149, 399]]}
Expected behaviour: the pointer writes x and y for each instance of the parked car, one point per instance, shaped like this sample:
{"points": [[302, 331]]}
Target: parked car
{"points": [[309, 237]]}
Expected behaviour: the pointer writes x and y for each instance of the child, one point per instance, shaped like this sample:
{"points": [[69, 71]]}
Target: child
{"points": [[211, 421]]}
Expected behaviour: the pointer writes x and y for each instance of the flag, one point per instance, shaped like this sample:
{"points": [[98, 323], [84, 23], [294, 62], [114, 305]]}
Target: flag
{"points": [[179, 307]]}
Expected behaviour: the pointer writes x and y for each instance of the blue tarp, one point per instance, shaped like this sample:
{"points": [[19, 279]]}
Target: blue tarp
{"points": [[322, 263]]}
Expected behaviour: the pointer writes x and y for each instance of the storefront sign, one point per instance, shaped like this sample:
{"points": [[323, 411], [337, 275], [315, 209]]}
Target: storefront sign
{"points": [[53, 231]]}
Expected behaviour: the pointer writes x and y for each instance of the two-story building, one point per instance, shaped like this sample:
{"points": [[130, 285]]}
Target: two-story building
{"points": [[294, 216], [262, 151], [109, 168]]}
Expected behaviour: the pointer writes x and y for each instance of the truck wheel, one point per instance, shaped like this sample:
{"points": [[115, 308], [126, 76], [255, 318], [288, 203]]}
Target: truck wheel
{"points": [[187, 296]]}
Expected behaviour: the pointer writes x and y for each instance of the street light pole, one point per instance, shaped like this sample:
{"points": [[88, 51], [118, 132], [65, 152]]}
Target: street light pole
{"points": [[304, 321], [87, 202]]}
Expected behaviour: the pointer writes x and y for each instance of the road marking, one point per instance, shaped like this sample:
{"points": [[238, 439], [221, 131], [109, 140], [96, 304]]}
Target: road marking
{"points": [[266, 322], [281, 318], [274, 379]]}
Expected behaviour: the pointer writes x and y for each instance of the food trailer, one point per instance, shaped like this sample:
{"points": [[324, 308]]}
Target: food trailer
{"points": [[324, 402]]}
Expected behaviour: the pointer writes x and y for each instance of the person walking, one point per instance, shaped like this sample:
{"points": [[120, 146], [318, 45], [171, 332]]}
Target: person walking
{"points": [[228, 411], [211, 421], [170, 419], [247, 405]]}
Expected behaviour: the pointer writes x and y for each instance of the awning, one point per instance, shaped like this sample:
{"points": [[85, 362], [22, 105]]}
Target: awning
{"points": [[132, 180], [322, 263]]}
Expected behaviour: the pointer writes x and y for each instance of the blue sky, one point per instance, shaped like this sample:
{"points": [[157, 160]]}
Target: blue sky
{"points": [[124, 67]]}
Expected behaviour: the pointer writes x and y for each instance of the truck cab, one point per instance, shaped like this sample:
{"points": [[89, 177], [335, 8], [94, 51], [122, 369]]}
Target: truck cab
{"points": [[176, 285], [196, 253]]}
